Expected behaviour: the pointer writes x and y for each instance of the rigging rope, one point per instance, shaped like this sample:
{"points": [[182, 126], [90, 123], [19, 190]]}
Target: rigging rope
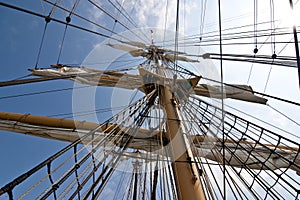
{"points": [[176, 38], [56, 20], [114, 18], [272, 41], [213, 122], [68, 20], [256, 118], [255, 37], [251, 186], [43, 92], [281, 113], [203, 13], [128, 17], [272, 16], [62, 43], [222, 99], [255, 25], [262, 33], [83, 18], [41, 44]]}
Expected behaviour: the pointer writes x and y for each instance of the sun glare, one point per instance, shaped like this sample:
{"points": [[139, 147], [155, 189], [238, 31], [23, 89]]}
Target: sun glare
{"points": [[290, 17]]}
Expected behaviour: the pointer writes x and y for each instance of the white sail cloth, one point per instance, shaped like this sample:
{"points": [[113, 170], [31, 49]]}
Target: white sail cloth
{"points": [[236, 154], [132, 81]]}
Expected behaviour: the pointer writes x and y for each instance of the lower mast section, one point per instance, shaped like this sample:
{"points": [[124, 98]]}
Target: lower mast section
{"points": [[186, 175]]}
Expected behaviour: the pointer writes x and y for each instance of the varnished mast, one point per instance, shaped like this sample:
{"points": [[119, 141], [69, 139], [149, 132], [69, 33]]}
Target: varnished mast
{"points": [[186, 175]]}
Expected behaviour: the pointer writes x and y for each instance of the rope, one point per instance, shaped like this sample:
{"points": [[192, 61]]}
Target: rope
{"points": [[43, 92], [255, 24], [176, 37], [81, 17], [281, 113], [26, 175], [260, 120], [62, 43], [257, 178], [114, 18], [41, 45], [203, 13], [222, 92], [54, 19], [272, 16]]}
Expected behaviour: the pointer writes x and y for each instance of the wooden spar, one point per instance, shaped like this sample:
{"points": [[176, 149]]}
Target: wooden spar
{"points": [[133, 81], [69, 130], [186, 175], [65, 123], [83, 125], [48, 121]]}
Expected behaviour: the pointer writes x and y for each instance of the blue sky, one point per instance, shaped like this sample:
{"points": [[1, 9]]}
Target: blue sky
{"points": [[20, 39]]}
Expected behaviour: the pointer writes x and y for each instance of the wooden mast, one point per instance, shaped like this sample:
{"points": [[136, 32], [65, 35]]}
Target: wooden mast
{"points": [[186, 175]]}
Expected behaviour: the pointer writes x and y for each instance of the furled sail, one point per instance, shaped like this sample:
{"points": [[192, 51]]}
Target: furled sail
{"points": [[169, 143], [92, 77], [233, 91], [241, 151], [251, 153], [131, 81], [262, 156]]}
